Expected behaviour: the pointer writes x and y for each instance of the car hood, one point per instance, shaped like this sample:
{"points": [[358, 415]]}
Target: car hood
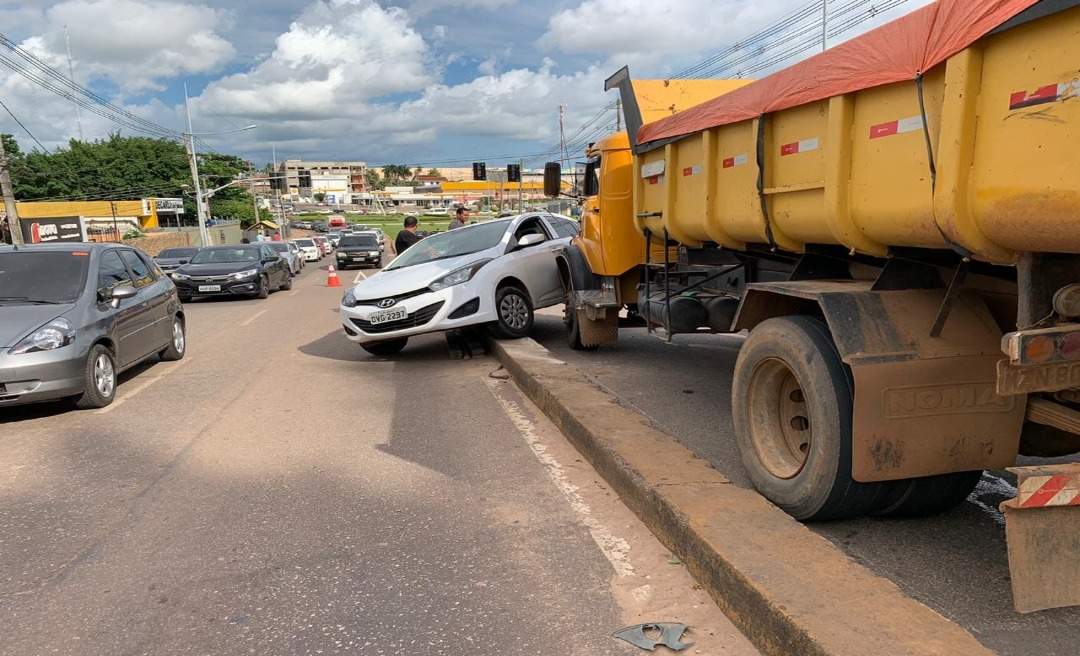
{"points": [[401, 281], [20, 320], [216, 268]]}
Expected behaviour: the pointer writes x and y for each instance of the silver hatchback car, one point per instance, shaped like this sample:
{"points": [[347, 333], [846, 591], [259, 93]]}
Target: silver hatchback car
{"points": [[74, 315]]}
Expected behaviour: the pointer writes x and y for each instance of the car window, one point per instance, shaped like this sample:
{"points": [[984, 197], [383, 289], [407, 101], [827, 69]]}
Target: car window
{"points": [[269, 254], [305, 242], [139, 269], [112, 274], [463, 241], [178, 252], [565, 228], [359, 240], [530, 226], [42, 277]]}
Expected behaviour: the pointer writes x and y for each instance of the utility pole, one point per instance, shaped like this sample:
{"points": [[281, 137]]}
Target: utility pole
{"points": [[200, 202], [521, 185], [562, 135], [71, 76], [254, 200], [9, 198]]}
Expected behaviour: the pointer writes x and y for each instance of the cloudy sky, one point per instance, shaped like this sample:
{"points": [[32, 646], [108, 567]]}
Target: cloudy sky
{"points": [[419, 82]]}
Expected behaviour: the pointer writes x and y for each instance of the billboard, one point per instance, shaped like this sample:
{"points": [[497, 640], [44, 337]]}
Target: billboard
{"points": [[45, 231], [172, 205]]}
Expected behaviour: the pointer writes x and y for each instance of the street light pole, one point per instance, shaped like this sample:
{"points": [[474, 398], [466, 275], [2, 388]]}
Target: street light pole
{"points": [[200, 202]]}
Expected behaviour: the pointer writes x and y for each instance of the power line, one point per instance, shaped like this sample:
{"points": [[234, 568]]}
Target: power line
{"points": [[25, 129]]}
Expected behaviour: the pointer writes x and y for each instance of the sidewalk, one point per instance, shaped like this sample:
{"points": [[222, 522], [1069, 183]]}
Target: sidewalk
{"points": [[788, 590]]}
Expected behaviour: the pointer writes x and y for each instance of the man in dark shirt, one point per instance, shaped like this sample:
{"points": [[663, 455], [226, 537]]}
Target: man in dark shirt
{"points": [[406, 237], [460, 217]]}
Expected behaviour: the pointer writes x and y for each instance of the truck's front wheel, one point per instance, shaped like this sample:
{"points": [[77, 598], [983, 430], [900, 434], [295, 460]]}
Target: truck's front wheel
{"points": [[792, 408]]}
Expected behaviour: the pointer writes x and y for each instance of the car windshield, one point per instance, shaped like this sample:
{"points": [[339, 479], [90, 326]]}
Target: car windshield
{"points": [[279, 246], [178, 252], [358, 240], [225, 255], [463, 241], [39, 277], [305, 242]]}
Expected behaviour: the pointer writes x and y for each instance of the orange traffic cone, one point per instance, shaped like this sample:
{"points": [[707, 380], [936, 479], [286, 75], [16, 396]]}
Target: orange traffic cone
{"points": [[332, 279]]}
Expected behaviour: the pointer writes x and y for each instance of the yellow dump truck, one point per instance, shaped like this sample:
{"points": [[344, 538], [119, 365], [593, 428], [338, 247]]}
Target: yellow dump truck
{"points": [[896, 222]]}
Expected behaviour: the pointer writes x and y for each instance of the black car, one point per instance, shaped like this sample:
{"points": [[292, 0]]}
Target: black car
{"points": [[171, 258], [319, 226], [362, 250], [247, 269]]}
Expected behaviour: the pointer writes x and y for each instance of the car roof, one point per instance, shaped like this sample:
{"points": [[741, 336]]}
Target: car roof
{"points": [[221, 247], [65, 247]]}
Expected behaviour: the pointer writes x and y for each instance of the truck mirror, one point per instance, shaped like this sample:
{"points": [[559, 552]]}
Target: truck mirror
{"points": [[552, 179]]}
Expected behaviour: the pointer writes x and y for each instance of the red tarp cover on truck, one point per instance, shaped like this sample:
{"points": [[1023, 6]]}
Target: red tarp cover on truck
{"points": [[894, 52]]}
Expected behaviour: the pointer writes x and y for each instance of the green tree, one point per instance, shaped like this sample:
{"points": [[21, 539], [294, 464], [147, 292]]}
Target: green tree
{"points": [[397, 173], [371, 176], [319, 196], [434, 172]]}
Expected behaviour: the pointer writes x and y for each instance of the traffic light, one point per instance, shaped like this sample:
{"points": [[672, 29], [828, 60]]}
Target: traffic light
{"points": [[479, 171], [513, 173]]}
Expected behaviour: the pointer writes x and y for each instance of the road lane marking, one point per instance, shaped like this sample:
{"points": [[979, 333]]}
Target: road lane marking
{"points": [[143, 384], [254, 317], [615, 549]]}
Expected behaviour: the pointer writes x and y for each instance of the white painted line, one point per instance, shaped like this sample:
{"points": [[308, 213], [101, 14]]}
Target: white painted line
{"points": [[615, 549], [254, 317], [144, 383]]}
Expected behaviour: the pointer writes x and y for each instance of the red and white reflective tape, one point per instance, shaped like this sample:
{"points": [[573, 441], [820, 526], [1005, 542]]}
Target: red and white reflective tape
{"points": [[737, 160], [896, 127], [799, 147], [1046, 94], [1044, 491]]}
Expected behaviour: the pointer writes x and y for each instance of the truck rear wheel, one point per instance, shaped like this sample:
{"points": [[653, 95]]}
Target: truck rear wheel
{"points": [[792, 407], [931, 495]]}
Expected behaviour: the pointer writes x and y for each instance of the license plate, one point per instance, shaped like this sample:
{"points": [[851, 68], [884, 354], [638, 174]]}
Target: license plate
{"points": [[1052, 377], [388, 315], [209, 288]]}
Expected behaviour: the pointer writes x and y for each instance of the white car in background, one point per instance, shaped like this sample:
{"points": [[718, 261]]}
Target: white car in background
{"points": [[495, 273], [312, 252]]}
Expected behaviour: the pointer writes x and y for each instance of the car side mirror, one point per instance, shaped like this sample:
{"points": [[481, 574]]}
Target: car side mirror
{"points": [[184, 261], [120, 293], [530, 240]]}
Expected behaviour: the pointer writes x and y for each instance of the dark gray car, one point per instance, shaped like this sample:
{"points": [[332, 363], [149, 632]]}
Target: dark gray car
{"points": [[170, 259], [74, 315]]}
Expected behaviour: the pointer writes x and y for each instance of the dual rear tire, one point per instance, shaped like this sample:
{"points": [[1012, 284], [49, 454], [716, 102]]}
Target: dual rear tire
{"points": [[792, 406]]}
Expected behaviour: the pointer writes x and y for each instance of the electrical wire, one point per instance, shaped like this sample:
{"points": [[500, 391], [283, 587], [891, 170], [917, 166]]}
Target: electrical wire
{"points": [[25, 129]]}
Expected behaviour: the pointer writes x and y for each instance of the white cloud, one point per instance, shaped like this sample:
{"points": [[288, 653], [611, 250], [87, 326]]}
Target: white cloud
{"points": [[135, 44]]}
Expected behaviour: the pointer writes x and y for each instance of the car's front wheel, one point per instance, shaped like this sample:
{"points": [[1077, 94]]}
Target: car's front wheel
{"points": [[99, 379], [176, 348], [514, 313], [264, 287]]}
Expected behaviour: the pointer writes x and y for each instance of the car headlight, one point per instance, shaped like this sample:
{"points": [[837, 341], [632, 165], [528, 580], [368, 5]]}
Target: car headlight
{"points": [[464, 274], [179, 276], [373, 253], [349, 299], [58, 332], [240, 275]]}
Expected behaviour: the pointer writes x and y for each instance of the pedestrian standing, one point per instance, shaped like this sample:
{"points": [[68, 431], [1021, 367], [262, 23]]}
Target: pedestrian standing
{"points": [[406, 237], [459, 219]]}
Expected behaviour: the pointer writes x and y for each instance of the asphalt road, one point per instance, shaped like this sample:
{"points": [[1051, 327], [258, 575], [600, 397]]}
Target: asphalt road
{"points": [[955, 563], [279, 491]]}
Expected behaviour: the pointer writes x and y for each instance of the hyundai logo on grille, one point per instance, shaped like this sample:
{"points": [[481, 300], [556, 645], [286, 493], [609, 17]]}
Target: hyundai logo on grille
{"points": [[387, 302]]}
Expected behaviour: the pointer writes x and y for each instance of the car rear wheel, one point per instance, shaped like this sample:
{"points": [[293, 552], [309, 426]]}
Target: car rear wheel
{"points": [[176, 348], [99, 379], [514, 313], [389, 347]]}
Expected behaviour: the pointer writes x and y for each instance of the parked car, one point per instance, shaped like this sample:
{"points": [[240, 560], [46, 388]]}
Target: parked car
{"points": [[75, 315], [319, 226], [299, 253], [437, 211], [333, 236], [292, 258], [495, 273], [325, 246], [360, 249], [249, 269], [311, 250], [171, 258]]}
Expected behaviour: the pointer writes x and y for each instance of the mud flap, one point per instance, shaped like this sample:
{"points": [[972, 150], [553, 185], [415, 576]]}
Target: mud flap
{"points": [[1042, 530], [600, 328]]}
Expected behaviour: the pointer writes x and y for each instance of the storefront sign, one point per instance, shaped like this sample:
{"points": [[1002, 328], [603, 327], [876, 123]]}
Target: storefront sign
{"points": [[44, 231]]}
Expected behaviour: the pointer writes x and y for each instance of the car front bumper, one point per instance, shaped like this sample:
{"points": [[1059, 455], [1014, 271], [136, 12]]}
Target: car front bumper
{"points": [[224, 287], [359, 257], [428, 312], [42, 376]]}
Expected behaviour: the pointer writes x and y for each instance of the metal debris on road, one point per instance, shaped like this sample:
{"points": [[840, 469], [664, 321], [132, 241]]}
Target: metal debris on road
{"points": [[670, 633]]}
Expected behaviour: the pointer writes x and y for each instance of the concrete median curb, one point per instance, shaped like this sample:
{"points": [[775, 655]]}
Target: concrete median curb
{"points": [[788, 590]]}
